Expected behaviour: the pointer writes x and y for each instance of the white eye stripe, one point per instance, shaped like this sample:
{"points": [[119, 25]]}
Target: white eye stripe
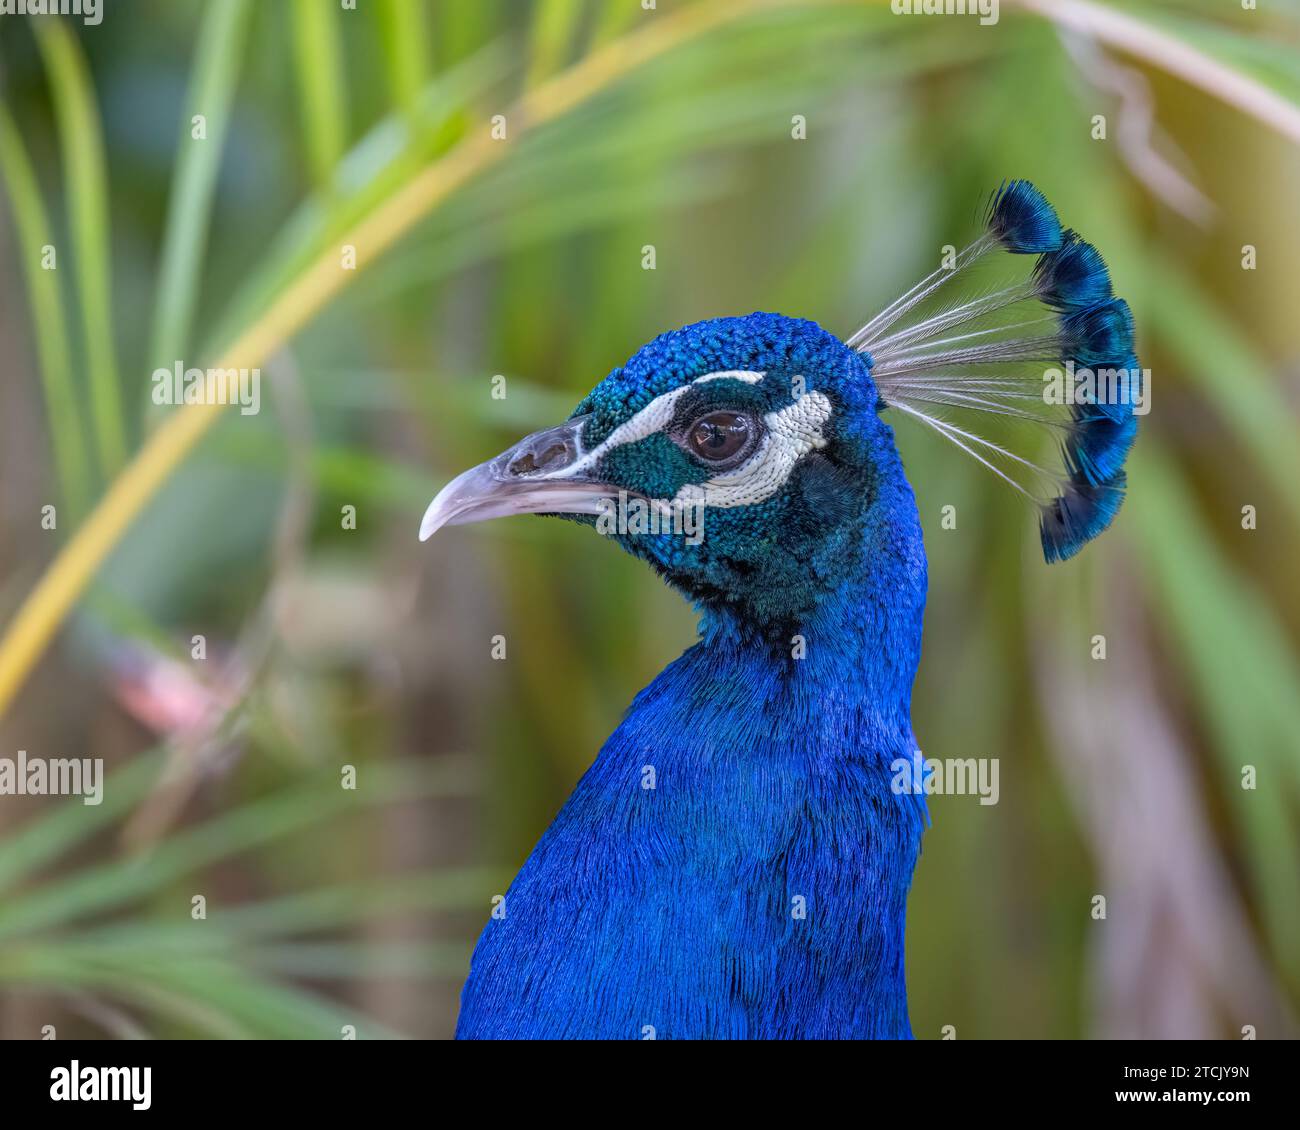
{"points": [[731, 374], [654, 417], [792, 433]]}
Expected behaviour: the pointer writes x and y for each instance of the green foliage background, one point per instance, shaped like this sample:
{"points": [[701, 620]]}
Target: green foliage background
{"points": [[330, 647]]}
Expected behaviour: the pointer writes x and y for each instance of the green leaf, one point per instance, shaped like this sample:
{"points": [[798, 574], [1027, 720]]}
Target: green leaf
{"points": [[318, 60], [555, 23], [62, 403], [252, 825], [65, 825], [387, 157], [82, 144], [212, 86], [405, 32], [338, 905]]}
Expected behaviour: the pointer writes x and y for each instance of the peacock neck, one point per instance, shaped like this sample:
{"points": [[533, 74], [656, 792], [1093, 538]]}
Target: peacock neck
{"points": [[734, 863], [803, 724], [855, 650]]}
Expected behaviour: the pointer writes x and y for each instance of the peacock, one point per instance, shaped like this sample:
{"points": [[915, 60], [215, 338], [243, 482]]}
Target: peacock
{"points": [[736, 861]]}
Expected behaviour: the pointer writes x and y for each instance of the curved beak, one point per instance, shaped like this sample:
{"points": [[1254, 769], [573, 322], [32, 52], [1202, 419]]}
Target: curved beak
{"points": [[544, 473]]}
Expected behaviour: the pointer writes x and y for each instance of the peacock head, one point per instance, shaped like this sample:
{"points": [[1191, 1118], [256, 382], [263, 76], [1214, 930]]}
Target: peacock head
{"points": [[740, 457], [746, 458]]}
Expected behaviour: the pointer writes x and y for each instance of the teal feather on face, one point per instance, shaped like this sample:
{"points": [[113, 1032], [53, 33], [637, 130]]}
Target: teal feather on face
{"points": [[758, 888]]}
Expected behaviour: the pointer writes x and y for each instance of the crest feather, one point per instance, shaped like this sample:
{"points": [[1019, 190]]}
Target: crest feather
{"points": [[993, 349]]}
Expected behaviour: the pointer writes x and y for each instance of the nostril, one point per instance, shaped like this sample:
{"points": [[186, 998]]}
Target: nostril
{"points": [[531, 462]]}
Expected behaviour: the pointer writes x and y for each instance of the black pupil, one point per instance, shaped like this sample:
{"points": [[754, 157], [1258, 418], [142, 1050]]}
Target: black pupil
{"points": [[719, 435]]}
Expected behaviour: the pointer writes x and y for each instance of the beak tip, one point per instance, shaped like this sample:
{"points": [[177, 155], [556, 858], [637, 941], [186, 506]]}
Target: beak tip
{"points": [[432, 521]]}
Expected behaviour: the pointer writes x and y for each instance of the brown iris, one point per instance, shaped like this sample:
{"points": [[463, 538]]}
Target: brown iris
{"points": [[718, 436]]}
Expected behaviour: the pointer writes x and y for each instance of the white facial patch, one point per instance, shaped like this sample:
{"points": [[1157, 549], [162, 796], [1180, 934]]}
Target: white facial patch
{"points": [[792, 433], [654, 417]]}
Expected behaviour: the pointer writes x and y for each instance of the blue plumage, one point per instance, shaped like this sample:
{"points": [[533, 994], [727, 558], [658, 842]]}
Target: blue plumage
{"points": [[1098, 335], [1099, 445], [1098, 338], [736, 861], [1082, 512], [1074, 277], [1022, 221]]}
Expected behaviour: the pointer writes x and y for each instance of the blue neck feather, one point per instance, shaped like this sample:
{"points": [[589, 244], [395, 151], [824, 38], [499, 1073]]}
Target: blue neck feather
{"points": [[734, 863]]}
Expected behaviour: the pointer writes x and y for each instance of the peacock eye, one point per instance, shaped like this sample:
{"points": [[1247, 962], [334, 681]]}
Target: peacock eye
{"points": [[719, 436]]}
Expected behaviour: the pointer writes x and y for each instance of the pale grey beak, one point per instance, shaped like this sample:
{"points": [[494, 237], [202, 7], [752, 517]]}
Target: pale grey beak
{"points": [[547, 472]]}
